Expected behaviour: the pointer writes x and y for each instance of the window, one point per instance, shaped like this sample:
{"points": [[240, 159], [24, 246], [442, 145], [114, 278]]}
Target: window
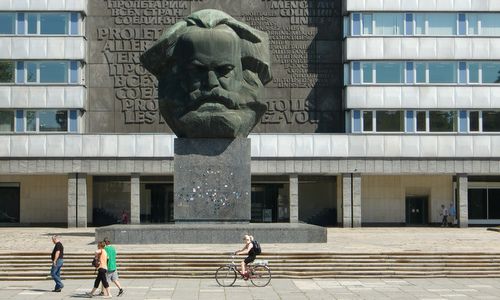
{"points": [[472, 24], [367, 24], [443, 121], [6, 121], [474, 121], [420, 24], [47, 121], [367, 73], [367, 121], [420, 69], [490, 24], [491, 72], [389, 72], [442, 72], [473, 73], [442, 23], [388, 23], [7, 71], [478, 207], [421, 121], [390, 121], [7, 23], [491, 121], [48, 23], [47, 72]]}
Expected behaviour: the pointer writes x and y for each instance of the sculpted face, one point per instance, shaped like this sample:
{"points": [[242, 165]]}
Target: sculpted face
{"points": [[211, 71]]}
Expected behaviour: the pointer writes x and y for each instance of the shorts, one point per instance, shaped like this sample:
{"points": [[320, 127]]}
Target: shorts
{"points": [[112, 275], [249, 259]]}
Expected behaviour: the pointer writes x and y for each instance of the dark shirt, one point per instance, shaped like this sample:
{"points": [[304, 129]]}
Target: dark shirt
{"points": [[57, 247]]}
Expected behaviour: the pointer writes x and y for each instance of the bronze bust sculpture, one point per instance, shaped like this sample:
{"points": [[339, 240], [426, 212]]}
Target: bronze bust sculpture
{"points": [[211, 72]]}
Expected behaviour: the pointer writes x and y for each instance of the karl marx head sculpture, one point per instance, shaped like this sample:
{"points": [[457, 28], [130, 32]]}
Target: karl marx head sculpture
{"points": [[211, 72]]}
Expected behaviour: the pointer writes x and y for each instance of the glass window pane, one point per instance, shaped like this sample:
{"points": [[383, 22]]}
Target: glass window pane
{"points": [[389, 72], [367, 24], [442, 121], [367, 73], [32, 24], [491, 73], [491, 121], [30, 120], [442, 72], [367, 121], [6, 71], [490, 24], [473, 73], [442, 23], [53, 72], [6, 120], [388, 23], [421, 121], [493, 203], [390, 121], [477, 199], [474, 121], [53, 120], [53, 23], [7, 23], [419, 23], [420, 69], [31, 72], [473, 28]]}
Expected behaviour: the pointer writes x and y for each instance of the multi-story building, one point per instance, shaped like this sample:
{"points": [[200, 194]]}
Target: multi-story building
{"points": [[412, 126]]}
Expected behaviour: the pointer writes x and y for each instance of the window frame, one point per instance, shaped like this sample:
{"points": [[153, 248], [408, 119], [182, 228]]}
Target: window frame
{"points": [[15, 23], [39, 62], [39, 25], [37, 121]]}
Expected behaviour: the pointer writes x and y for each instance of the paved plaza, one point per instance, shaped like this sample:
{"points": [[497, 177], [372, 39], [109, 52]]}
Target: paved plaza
{"points": [[287, 289], [340, 240]]}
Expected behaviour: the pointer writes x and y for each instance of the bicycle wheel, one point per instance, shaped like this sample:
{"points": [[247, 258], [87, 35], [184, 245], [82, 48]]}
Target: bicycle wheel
{"points": [[260, 276], [225, 276]]}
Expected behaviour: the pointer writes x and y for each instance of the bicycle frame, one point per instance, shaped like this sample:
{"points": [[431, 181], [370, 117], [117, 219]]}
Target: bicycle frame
{"points": [[258, 273]]}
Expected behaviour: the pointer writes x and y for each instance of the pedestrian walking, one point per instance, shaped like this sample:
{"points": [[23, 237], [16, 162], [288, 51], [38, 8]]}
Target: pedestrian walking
{"points": [[112, 274], [453, 214], [57, 263], [444, 213], [102, 267]]}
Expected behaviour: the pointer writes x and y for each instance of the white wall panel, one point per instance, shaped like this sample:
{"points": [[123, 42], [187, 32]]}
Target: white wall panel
{"points": [[422, 5], [304, 145], [41, 47], [422, 97], [42, 5], [42, 97], [421, 48]]}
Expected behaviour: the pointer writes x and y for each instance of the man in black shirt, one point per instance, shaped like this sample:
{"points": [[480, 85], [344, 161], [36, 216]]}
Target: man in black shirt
{"points": [[57, 263]]}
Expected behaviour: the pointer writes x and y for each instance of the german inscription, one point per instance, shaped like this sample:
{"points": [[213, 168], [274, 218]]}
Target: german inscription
{"points": [[305, 94]]}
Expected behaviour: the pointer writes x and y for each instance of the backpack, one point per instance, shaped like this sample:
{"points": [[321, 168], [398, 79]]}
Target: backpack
{"points": [[96, 262], [256, 247]]}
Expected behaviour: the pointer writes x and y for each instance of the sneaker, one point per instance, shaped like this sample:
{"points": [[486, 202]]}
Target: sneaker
{"points": [[120, 292], [57, 290]]}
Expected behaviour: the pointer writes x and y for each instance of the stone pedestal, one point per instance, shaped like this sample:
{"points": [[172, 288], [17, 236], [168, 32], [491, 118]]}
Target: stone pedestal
{"points": [[212, 180]]}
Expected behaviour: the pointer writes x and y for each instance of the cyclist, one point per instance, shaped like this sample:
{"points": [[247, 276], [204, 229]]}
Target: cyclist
{"points": [[247, 249]]}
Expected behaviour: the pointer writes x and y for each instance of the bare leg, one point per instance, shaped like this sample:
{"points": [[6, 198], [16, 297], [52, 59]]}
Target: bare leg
{"points": [[117, 283], [243, 267]]}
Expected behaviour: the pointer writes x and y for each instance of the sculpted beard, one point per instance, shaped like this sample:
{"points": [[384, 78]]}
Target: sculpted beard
{"points": [[176, 104]]}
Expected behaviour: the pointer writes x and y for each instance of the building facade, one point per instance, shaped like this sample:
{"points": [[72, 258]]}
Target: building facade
{"points": [[379, 112]]}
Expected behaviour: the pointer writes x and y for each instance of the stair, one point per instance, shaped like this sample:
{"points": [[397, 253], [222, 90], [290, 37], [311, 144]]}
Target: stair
{"points": [[36, 266]]}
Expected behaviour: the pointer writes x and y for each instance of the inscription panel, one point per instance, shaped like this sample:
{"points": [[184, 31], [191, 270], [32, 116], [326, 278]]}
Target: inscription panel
{"points": [[304, 96]]}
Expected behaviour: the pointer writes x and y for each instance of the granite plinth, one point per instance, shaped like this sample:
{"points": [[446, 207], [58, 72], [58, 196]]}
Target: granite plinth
{"points": [[211, 233], [212, 181]]}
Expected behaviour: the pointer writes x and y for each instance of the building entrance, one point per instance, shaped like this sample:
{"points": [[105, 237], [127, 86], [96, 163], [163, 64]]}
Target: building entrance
{"points": [[9, 204], [417, 210], [158, 203]]}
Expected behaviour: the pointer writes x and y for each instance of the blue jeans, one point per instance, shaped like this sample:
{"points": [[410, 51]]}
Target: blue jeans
{"points": [[55, 272]]}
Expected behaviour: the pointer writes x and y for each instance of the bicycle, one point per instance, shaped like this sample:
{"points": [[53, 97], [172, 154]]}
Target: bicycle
{"points": [[259, 273]]}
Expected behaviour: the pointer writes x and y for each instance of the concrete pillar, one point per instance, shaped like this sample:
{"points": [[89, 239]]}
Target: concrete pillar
{"points": [[356, 200], [82, 199], [135, 199], [77, 200], [294, 198], [351, 200], [346, 201], [463, 201]]}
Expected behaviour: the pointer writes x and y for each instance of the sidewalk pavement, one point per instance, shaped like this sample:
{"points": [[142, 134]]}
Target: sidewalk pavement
{"points": [[340, 240], [287, 289]]}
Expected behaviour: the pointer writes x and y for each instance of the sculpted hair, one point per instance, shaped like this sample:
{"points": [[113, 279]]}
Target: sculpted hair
{"points": [[255, 55]]}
